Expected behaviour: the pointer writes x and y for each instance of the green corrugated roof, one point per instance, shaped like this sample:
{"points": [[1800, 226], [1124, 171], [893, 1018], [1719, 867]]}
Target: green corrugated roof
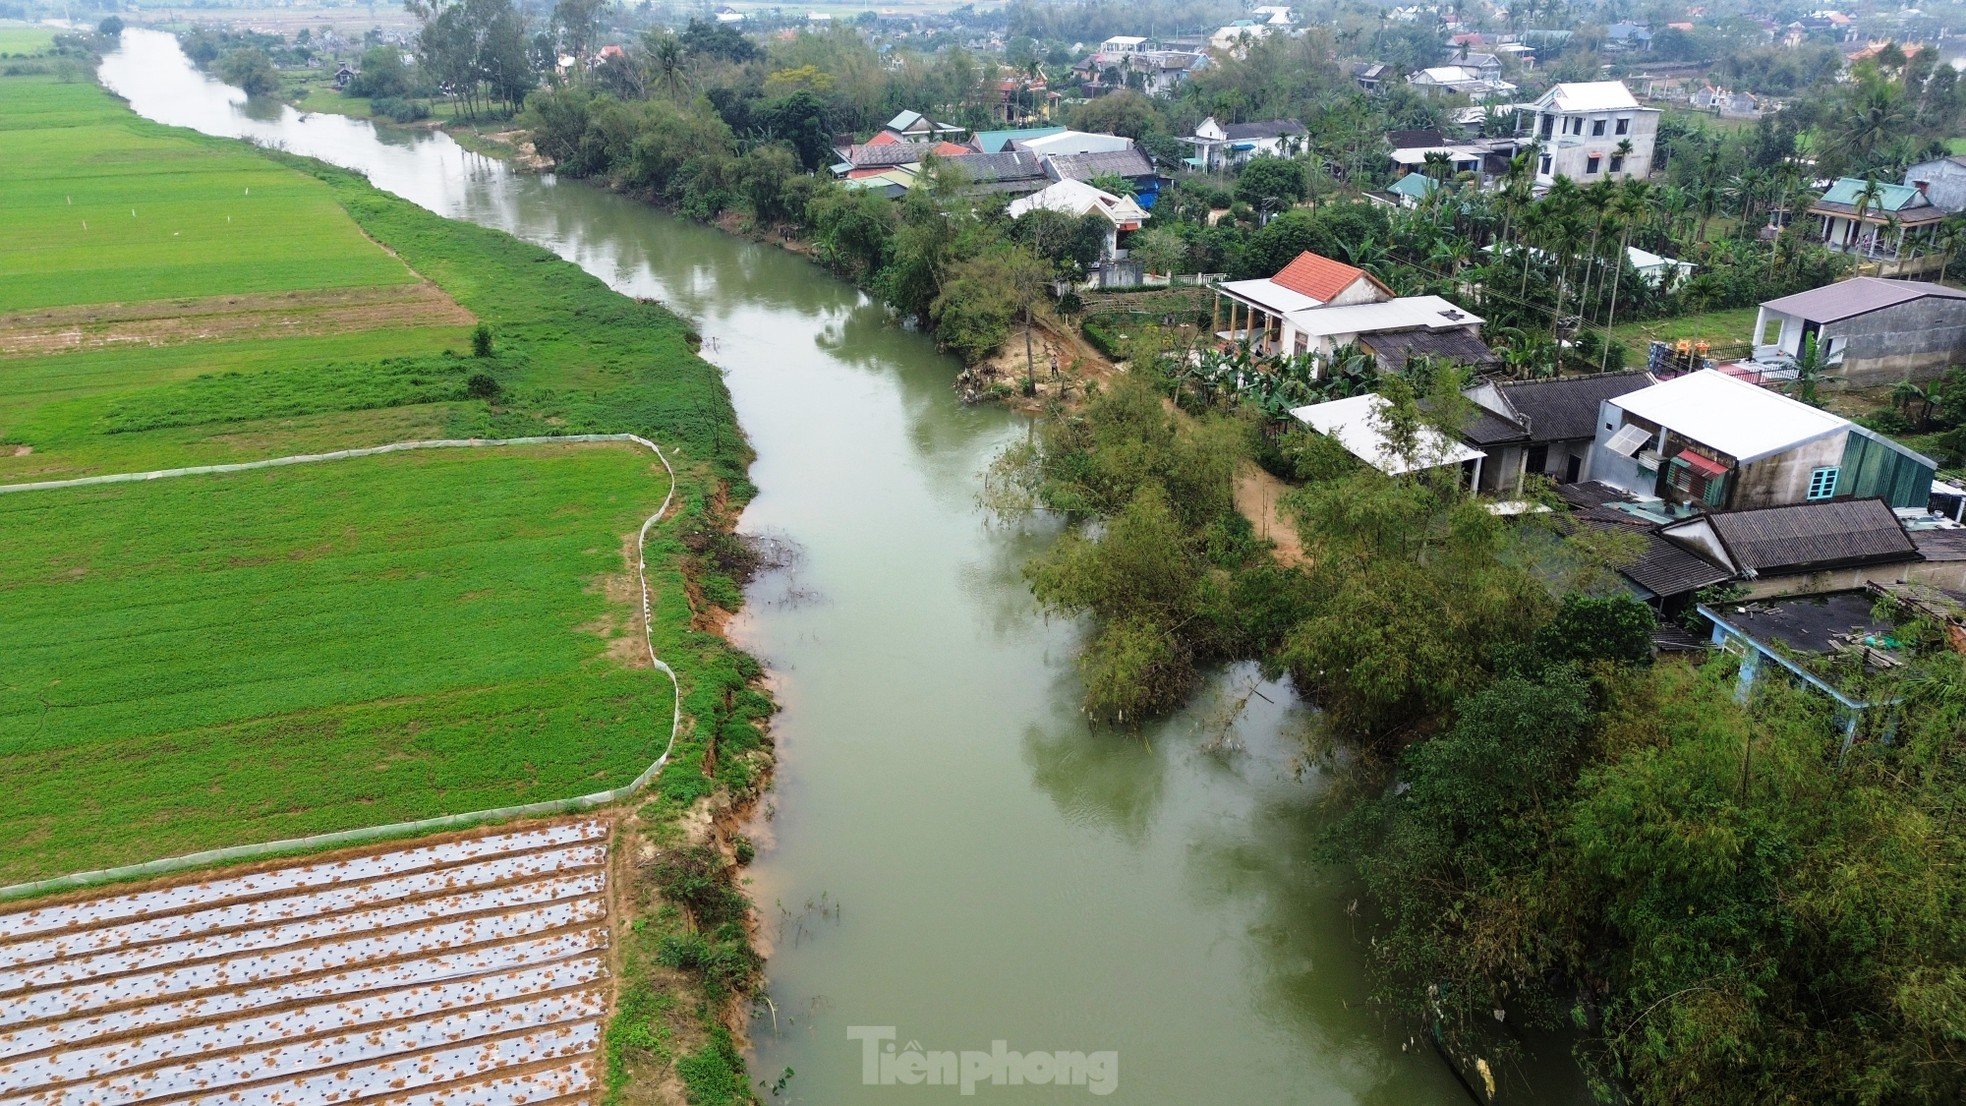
{"points": [[1414, 185], [1890, 197], [993, 142]]}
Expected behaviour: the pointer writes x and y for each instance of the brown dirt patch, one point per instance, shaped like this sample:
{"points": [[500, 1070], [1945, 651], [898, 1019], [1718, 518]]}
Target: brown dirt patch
{"points": [[1051, 339], [1257, 495], [56, 330]]}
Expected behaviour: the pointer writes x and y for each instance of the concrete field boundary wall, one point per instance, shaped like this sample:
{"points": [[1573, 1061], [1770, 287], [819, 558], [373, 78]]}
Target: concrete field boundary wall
{"points": [[364, 835]]}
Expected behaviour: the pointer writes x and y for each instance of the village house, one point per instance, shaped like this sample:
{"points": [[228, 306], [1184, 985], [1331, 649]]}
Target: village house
{"points": [[1868, 330], [1226, 145], [1710, 441], [1583, 128], [1888, 227], [1541, 428], [1942, 180], [1077, 198], [1162, 72], [1316, 305], [1358, 424], [1458, 80]]}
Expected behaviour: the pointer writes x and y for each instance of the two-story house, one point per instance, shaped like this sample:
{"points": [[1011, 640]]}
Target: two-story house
{"points": [[1583, 129], [1710, 441]]}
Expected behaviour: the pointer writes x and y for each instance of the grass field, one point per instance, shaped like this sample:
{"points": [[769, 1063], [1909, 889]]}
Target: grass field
{"points": [[101, 208], [25, 42], [229, 659], [294, 650], [1732, 327]]}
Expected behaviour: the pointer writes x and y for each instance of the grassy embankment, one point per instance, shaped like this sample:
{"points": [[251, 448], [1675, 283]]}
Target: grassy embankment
{"points": [[213, 660]]}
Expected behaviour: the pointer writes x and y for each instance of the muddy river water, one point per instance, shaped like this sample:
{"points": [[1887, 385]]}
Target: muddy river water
{"points": [[950, 859]]}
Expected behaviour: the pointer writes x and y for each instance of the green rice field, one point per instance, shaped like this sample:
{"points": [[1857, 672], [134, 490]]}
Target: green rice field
{"points": [[214, 659], [97, 206], [25, 42]]}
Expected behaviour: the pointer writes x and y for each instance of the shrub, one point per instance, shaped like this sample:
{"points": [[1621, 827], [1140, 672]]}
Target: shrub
{"points": [[482, 386], [398, 109], [481, 343]]}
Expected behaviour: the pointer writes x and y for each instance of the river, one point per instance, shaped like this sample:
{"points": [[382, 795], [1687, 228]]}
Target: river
{"points": [[948, 849]]}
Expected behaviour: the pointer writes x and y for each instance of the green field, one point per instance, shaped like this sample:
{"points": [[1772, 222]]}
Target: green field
{"points": [[1731, 327], [18, 42], [293, 650], [219, 660], [99, 207]]}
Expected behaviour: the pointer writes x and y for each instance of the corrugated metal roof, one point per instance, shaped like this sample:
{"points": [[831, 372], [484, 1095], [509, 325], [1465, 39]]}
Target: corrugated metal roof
{"points": [[1353, 422], [1730, 416], [1123, 163], [1857, 296], [1566, 408], [1813, 535], [1266, 128]]}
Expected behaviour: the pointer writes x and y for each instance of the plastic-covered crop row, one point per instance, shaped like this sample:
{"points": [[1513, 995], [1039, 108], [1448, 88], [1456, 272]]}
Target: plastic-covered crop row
{"points": [[466, 977], [326, 901], [286, 966], [479, 963], [447, 855]]}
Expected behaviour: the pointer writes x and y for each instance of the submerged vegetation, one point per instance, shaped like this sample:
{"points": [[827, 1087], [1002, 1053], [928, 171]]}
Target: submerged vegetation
{"points": [[1558, 832]]}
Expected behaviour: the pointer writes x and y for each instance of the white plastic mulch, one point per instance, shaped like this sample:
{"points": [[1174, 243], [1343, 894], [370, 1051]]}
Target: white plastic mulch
{"points": [[460, 972]]}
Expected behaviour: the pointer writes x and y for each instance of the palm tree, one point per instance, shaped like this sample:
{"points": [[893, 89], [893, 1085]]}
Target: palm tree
{"points": [[670, 63], [1628, 209], [1866, 197]]}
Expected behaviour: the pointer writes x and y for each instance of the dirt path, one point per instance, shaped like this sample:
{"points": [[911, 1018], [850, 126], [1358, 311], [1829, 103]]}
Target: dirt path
{"points": [[1257, 494]]}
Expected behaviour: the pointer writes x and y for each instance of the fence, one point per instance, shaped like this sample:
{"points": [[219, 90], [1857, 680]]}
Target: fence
{"points": [[364, 835]]}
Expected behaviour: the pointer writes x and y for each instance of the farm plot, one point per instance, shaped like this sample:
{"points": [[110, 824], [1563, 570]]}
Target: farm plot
{"points": [[470, 970], [212, 660], [97, 206]]}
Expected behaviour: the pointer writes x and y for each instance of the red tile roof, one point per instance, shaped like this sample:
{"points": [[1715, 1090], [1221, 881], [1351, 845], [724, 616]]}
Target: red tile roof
{"points": [[1319, 277]]}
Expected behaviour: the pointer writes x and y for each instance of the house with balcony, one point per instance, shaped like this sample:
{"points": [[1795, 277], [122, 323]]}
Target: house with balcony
{"points": [[1582, 129], [1708, 441], [1889, 228], [1868, 330], [1458, 80]]}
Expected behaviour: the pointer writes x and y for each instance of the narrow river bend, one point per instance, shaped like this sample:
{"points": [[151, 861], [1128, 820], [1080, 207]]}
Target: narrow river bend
{"points": [[949, 851]]}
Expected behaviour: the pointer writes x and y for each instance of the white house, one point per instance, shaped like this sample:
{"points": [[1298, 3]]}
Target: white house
{"points": [[1582, 127], [1458, 80], [1225, 145], [1315, 305], [1077, 198]]}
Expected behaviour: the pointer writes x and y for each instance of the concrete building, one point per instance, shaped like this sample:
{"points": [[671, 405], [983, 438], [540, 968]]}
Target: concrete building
{"points": [[1708, 441], [1869, 330], [1226, 145], [1581, 127], [1541, 427], [1942, 180], [1076, 198]]}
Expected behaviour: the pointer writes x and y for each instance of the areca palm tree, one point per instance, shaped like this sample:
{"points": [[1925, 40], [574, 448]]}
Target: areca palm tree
{"points": [[1628, 208]]}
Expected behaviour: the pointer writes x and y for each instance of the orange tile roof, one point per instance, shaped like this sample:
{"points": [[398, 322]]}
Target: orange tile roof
{"points": [[1319, 277], [949, 149]]}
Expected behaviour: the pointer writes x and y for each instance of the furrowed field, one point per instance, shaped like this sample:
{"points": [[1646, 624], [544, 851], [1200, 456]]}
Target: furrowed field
{"points": [[256, 655], [208, 661]]}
